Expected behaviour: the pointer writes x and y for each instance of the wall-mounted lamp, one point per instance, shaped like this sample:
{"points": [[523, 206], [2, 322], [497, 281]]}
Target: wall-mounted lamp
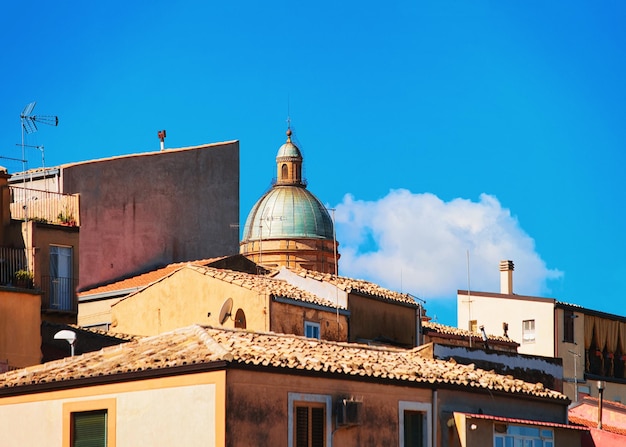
{"points": [[473, 427]]}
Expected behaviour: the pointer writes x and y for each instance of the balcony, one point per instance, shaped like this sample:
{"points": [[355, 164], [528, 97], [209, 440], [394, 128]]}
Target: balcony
{"points": [[44, 206], [59, 294], [12, 260]]}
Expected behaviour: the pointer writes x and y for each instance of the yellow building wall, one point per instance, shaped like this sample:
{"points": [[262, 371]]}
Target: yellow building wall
{"points": [[20, 323], [184, 298], [370, 318], [184, 410], [97, 312]]}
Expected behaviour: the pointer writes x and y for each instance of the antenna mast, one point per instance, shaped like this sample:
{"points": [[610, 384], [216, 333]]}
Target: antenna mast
{"points": [[29, 125]]}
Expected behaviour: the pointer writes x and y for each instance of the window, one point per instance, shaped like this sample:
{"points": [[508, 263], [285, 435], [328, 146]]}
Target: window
{"points": [[89, 429], [309, 428], [309, 420], [311, 330], [240, 319], [528, 331], [89, 423], [522, 436], [61, 284], [284, 172], [568, 326], [414, 423]]}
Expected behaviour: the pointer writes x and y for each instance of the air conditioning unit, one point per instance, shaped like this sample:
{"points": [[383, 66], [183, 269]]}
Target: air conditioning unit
{"points": [[349, 412]]}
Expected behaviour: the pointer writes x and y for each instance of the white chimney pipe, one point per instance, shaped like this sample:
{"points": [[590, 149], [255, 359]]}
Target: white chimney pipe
{"points": [[506, 277]]}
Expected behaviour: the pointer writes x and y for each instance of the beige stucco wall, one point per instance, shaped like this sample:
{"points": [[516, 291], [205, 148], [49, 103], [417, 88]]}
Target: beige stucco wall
{"points": [[184, 298], [156, 208], [493, 309], [20, 322], [184, 410]]}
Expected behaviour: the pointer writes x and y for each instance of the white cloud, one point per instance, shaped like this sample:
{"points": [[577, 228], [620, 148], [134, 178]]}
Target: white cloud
{"points": [[418, 243]]}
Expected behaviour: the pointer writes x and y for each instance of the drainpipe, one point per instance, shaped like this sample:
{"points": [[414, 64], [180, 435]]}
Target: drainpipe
{"points": [[435, 417]]}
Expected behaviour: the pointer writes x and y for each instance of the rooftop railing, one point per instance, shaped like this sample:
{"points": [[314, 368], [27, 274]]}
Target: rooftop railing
{"points": [[44, 206]]}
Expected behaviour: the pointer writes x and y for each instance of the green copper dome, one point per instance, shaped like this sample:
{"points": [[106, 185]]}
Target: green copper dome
{"points": [[286, 212], [289, 150]]}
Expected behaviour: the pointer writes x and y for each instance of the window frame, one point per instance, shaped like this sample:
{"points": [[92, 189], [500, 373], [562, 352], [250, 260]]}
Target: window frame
{"points": [[313, 325], [419, 407], [70, 408], [529, 331], [545, 440], [315, 399]]}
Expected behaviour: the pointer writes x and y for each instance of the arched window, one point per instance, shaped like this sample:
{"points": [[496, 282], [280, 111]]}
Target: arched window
{"points": [[240, 319], [284, 171]]}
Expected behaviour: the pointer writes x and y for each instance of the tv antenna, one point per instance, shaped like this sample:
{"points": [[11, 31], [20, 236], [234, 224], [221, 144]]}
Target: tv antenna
{"points": [[29, 125]]}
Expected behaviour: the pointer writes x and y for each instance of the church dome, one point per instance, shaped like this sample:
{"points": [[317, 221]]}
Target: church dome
{"points": [[288, 225], [288, 212]]}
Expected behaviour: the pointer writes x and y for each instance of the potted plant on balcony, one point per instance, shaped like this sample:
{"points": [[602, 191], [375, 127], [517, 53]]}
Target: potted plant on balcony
{"points": [[24, 279], [67, 218]]}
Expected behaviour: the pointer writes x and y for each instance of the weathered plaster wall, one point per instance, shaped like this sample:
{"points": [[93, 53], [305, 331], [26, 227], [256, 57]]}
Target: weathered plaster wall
{"points": [[156, 208], [258, 411], [370, 319], [289, 319]]}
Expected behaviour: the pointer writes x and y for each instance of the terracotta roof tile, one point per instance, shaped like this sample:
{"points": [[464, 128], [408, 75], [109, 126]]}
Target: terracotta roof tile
{"points": [[142, 280], [264, 284], [199, 345], [359, 286], [594, 424], [450, 330], [522, 421]]}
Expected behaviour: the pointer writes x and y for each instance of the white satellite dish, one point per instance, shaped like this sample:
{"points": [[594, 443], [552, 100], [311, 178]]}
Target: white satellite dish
{"points": [[68, 336], [225, 311]]}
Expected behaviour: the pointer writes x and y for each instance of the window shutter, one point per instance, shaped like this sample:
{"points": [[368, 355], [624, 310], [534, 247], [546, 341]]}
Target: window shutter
{"points": [[90, 429], [302, 427], [317, 429]]}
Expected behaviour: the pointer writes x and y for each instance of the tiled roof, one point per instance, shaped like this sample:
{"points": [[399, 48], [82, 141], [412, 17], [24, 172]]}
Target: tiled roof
{"points": [[594, 424], [197, 345], [142, 280], [449, 330], [359, 286], [521, 421], [264, 285]]}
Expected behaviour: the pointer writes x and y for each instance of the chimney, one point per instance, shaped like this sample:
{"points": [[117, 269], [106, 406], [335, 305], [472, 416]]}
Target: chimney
{"points": [[506, 277]]}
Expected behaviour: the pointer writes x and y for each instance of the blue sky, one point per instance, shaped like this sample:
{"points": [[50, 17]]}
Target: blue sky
{"points": [[435, 128]]}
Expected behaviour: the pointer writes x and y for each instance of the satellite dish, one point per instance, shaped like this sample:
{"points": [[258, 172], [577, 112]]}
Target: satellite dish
{"points": [[68, 336], [226, 309]]}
